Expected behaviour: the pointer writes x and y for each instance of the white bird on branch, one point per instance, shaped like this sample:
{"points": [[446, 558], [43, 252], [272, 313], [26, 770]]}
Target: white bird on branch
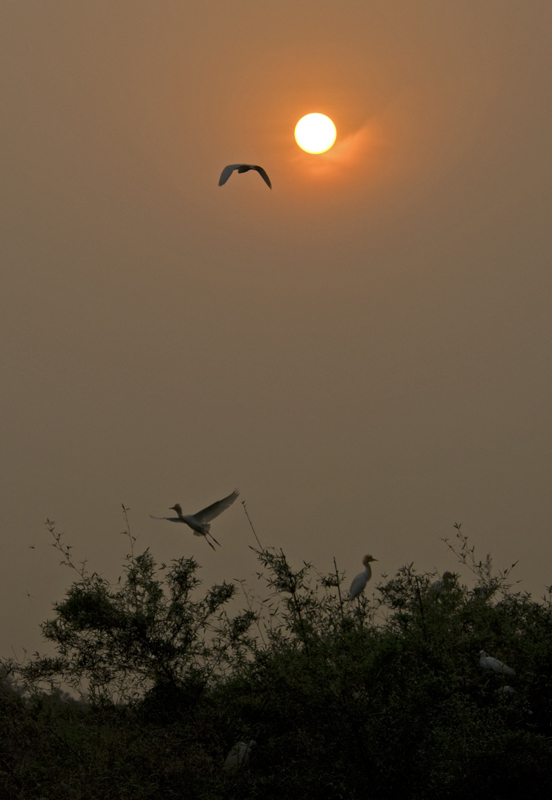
{"points": [[227, 171], [199, 522], [488, 662], [239, 755], [359, 583]]}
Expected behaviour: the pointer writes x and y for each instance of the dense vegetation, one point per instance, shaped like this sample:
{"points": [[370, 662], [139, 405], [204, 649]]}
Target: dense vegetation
{"points": [[372, 699]]}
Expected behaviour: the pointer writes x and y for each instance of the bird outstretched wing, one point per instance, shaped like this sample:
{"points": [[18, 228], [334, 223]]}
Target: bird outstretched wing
{"points": [[170, 519], [226, 172], [212, 511], [264, 176]]}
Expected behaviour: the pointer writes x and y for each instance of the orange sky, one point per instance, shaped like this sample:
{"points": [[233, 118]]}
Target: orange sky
{"points": [[364, 351]]}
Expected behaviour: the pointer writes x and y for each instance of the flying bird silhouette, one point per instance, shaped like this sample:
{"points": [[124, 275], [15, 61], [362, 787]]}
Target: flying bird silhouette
{"points": [[227, 171], [199, 522]]}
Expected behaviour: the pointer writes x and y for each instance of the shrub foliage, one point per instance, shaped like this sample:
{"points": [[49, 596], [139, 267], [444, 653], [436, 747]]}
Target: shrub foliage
{"points": [[378, 698]]}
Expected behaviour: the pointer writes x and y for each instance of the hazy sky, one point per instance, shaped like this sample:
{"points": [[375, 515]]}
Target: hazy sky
{"points": [[364, 351]]}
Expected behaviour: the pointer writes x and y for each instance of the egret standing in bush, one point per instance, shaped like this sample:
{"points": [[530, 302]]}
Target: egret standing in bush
{"points": [[239, 755], [488, 662], [199, 522], [359, 583]]}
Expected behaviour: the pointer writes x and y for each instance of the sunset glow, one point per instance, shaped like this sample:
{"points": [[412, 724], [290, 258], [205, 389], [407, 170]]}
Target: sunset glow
{"points": [[315, 133]]}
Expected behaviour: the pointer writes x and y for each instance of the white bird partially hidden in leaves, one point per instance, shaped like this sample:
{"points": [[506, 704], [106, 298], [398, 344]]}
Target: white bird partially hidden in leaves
{"points": [[227, 171], [359, 583], [488, 662], [239, 755], [199, 522]]}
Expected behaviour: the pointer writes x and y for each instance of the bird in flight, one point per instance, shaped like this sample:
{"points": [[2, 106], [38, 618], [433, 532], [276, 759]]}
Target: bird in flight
{"points": [[359, 583], [199, 522], [227, 171]]}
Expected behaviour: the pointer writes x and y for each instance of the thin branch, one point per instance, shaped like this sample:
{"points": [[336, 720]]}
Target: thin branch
{"points": [[338, 588], [252, 528], [132, 538]]}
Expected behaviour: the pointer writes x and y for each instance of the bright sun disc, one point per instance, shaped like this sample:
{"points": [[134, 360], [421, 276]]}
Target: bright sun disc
{"points": [[315, 133]]}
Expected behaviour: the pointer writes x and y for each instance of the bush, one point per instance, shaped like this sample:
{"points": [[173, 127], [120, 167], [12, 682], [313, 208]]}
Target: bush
{"points": [[366, 699]]}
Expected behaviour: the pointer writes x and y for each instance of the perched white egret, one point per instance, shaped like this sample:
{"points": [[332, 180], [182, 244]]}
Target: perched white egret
{"points": [[359, 583], [506, 690], [227, 171], [199, 522], [239, 755], [488, 662]]}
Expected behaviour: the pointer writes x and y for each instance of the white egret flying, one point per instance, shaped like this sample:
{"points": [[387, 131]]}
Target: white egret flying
{"points": [[359, 583], [199, 522], [227, 171], [239, 755], [488, 662]]}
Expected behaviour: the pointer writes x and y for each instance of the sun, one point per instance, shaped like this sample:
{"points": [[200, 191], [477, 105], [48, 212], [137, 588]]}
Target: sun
{"points": [[315, 133]]}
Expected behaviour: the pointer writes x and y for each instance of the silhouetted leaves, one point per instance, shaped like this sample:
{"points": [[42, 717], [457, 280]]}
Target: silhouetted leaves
{"points": [[385, 698]]}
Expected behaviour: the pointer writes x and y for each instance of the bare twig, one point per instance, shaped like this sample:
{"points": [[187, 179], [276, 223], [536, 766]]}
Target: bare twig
{"points": [[131, 538], [252, 528], [65, 549]]}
